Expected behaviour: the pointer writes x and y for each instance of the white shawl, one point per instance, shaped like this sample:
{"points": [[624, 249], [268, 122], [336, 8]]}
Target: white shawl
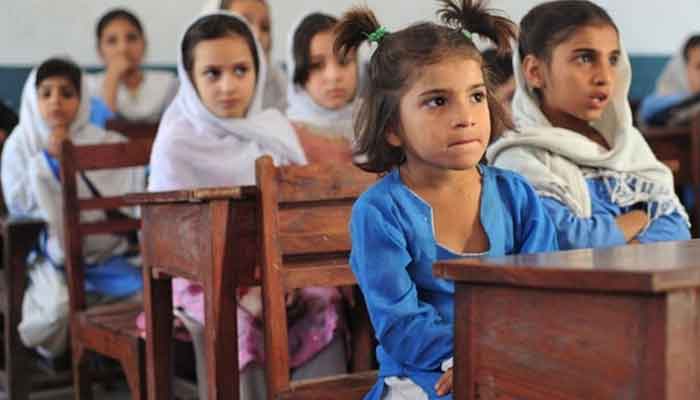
{"points": [[301, 107], [557, 161], [673, 78], [194, 148]]}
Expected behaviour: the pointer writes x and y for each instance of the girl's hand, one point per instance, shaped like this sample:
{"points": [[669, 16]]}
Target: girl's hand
{"points": [[444, 384], [117, 68], [322, 149], [58, 135], [632, 223]]}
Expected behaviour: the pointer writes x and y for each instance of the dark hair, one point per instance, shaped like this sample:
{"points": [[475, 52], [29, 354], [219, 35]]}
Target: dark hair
{"points": [[690, 44], [500, 66], [398, 61], [309, 27], [217, 26], [114, 14], [549, 24], [60, 67]]}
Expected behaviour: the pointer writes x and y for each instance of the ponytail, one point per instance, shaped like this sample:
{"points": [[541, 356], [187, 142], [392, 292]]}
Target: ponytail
{"points": [[355, 27], [473, 16]]}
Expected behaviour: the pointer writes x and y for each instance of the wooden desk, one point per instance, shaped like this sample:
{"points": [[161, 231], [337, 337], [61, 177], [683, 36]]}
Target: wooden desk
{"points": [[619, 323], [208, 236]]}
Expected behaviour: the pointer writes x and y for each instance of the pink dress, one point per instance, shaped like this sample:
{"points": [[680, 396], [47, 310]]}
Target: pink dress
{"points": [[308, 334]]}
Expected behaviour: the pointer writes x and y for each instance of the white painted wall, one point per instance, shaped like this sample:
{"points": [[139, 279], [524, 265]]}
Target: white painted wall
{"points": [[31, 30]]}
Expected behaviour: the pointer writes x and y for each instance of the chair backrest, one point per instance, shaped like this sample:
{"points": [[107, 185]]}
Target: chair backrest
{"points": [[75, 159], [305, 241], [133, 129], [679, 147]]}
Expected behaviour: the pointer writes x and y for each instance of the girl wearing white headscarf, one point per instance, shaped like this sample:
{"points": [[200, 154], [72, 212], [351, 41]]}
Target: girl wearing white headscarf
{"points": [[678, 83], [257, 14], [31, 187], [322, 88], [599, 181], [204, 142]]}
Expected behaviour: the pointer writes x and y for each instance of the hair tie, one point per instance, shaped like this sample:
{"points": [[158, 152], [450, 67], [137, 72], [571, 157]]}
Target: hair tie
{"points": [[377, 36], [468, 34]]}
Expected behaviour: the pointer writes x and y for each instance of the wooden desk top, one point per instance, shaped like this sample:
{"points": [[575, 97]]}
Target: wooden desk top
{"points": [[194, 195], [650, 268]]}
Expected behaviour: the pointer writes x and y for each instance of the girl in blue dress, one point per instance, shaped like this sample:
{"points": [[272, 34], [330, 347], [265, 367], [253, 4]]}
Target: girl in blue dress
{"points": [[426, 117]]}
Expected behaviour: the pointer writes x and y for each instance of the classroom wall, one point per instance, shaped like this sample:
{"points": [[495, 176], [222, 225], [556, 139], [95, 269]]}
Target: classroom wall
{"points": [[31, 30]]}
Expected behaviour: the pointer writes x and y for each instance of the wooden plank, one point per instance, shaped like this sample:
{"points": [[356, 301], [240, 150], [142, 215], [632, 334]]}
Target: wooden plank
{"points": [[184, 247], [324, 275], [321, 228], [337, 387], [543, 344], [649, 268], [113, 155], [327, 181], [133, 130]]}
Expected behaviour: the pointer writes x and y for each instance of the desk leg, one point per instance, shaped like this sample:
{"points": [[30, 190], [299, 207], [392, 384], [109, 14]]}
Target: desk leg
{"points": [[158, 307], [463, 378], [221, 330]]}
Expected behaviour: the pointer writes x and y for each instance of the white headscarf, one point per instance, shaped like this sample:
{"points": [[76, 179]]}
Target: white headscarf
{"points": [[674, 78], [557, 161], [275, 93], [194, 148], [33, 133], [301, 107]]}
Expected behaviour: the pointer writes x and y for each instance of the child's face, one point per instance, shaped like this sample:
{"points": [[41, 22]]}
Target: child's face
{"points": [[445, 120], [579, 80], [122, 40], [224, 75], [693, 70], [58, 101], [257, 14], [332, 81]]}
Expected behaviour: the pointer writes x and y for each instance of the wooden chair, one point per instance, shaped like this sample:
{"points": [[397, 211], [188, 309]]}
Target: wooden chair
{"points": [[679, 148], [305, 242], [20, 375], [133, 130], [111, 329]]}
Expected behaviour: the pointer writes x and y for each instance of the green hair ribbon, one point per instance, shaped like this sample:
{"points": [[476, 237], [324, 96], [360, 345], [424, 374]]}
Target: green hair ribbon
{"points": [[468, 34], [377, 36]]}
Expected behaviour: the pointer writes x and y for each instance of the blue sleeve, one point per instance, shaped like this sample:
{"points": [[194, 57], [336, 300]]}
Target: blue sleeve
{"points": [[54, 165], [99, 112], [600, 230], [653, 105], [411, 331], [665, 228], [534, 230]]}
